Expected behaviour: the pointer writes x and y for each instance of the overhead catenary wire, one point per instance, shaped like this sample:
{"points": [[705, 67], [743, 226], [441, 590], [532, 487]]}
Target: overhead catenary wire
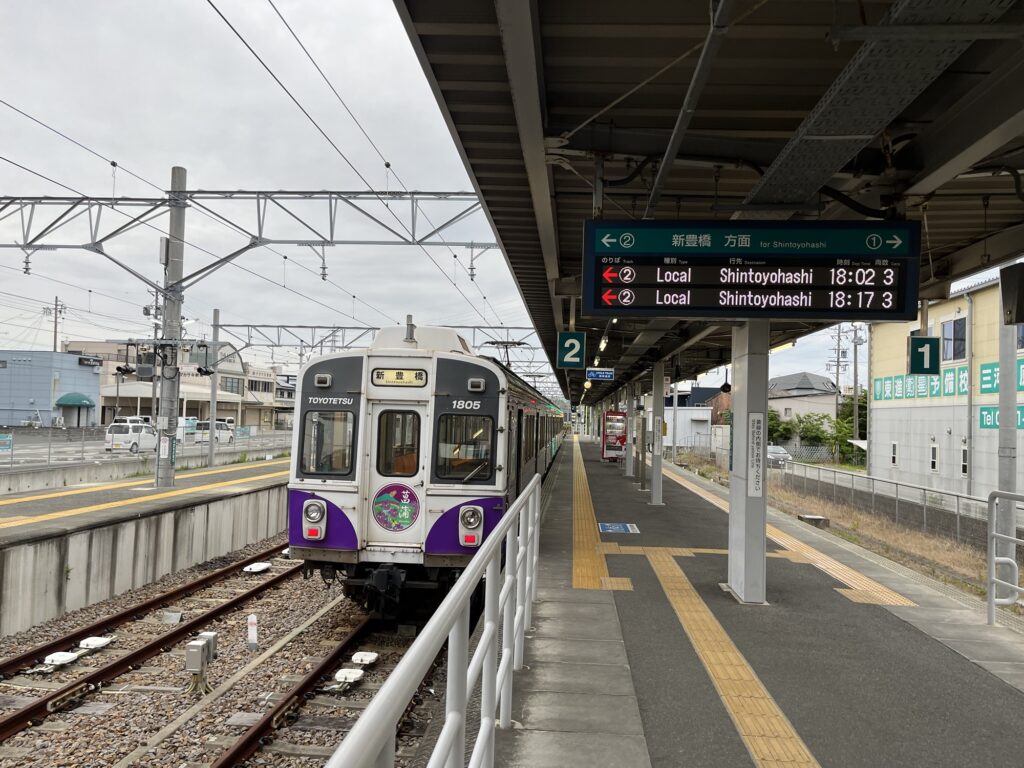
{"points": [[199, 248], [387, 164], [198, 208], [337, 149]]}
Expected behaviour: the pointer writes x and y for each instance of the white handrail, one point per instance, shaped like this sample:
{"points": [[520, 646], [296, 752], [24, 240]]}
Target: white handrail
{"points": [[994, 537], [371, 742]]}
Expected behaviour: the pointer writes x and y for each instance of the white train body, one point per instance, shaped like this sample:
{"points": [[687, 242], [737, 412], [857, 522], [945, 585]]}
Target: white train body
{"points": [[406, 455]]}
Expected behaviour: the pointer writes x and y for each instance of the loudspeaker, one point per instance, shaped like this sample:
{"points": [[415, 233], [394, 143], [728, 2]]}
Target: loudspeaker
{"points": [[1011, 283]]}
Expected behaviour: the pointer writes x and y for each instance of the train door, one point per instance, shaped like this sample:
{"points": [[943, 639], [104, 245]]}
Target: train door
{"points": [[395, 504], [520, 448]]}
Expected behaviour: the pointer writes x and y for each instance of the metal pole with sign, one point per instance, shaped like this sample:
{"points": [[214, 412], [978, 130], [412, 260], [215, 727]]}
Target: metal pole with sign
{"points": [[748, 503]]}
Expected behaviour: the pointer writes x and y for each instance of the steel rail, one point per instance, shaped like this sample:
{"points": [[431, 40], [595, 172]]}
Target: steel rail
{"points": [[14, 664], [39, 709], [257, 734]]}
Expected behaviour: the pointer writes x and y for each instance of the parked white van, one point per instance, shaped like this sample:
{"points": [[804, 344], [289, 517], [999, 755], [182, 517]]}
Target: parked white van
{"points": [[132, 437], [225, 432]]}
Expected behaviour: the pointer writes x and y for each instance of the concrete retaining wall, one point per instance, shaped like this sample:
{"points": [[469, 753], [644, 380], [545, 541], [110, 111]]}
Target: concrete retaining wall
{"points": [[59, 476], [46, 578]]}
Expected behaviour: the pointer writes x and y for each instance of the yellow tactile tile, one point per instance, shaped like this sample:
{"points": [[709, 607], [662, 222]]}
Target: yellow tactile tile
{"points": [[853, 579], [767, 733], [589, 567]]}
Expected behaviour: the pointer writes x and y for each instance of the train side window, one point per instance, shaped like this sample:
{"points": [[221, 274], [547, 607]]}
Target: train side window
{"points": [[327, 442], [464, 444], [398, 443]]}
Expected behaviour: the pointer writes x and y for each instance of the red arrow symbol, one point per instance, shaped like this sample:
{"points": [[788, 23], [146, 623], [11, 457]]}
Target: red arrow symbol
{"points": [[608, 297], [609, 274]]}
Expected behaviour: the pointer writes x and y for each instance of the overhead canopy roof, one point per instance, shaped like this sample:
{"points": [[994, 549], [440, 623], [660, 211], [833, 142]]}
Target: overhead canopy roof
{"points": [[75, 399], [920, 114]]}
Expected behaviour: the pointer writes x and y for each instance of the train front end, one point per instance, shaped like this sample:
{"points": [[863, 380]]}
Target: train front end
{"points": [[396, 480]]}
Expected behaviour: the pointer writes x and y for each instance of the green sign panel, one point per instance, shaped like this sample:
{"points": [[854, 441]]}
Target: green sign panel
{"points": [[824, 270], [963, 380], [989, 377], [934, 386], [6, 443], [988, 417], [572, 349], [878, 389], [923, 355]]}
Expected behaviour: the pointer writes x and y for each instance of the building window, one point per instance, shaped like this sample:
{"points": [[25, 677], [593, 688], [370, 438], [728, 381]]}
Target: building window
{"points": [[787, 412], [3, 363], [893, 455], [963, 462], [933, 458], [1020, 337], [954, 339], [231, 384]]}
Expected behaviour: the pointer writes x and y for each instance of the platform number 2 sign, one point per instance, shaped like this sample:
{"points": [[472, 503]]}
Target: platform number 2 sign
{"points": [[572, 349]]}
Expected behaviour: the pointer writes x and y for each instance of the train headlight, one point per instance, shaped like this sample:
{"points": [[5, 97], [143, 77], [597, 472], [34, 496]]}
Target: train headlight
{"points": [[314, 511], [471, 517]]}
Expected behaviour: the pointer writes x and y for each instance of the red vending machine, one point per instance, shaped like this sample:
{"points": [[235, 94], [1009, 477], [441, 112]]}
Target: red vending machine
{"points": [[613, 436]]}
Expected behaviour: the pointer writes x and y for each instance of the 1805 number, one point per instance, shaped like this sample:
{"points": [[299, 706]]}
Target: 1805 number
{"points": [[466, 405]]}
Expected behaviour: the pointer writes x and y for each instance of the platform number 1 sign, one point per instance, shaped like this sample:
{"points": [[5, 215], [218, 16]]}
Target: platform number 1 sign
{"points": [[923, 355], [572, 349]]}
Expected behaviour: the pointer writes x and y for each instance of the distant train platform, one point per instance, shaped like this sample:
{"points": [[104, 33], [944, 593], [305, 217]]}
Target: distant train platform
{"points": [[638, 657], [44, 513]]}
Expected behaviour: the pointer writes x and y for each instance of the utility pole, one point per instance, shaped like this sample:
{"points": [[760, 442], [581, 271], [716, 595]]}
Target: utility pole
{"points": [[839, 341], [857, 341], [170, 378], [214, 382], [57, 310]]}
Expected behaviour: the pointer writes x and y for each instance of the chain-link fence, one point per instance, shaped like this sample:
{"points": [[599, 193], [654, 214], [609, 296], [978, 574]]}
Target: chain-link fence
{"points": [[39, 448], [940, 513]]}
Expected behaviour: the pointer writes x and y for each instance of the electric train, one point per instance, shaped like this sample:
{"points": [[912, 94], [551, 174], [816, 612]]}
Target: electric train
{"points": [[405, 456]]}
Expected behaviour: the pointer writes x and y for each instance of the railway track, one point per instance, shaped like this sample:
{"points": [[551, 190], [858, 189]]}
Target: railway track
{"points": [[43, 706], [281, 706]]}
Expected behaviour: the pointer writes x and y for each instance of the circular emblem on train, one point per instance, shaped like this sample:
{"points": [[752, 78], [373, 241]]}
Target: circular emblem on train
{"points": [[396, 507]]}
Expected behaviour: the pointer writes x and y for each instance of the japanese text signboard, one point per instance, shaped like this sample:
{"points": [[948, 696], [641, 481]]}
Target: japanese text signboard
{"points": [[810, 270]]}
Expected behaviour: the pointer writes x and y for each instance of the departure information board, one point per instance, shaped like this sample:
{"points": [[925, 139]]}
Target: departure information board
{"points": [[810, 270]]}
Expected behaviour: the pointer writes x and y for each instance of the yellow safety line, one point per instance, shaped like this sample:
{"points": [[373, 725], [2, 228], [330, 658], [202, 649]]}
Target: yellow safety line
{"points": [[862, 589], [589, 568], [15, 522], [133, 483], [764, 728]]}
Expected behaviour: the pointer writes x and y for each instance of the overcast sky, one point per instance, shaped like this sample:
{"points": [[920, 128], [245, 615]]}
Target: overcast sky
{"points": [[156, 84]]}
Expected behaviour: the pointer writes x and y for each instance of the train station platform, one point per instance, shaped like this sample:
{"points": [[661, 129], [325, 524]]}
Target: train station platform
{"points": [[638, 657], [66, 548], [47, 513]]}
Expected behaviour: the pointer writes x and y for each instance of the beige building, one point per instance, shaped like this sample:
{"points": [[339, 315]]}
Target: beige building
{"points": [[942, 431], [127, 396]]}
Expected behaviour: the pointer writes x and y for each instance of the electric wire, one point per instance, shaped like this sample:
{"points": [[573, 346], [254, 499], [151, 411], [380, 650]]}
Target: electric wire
{"points": [[199, 248], [337, 150], [199, 209], [373, 144]]}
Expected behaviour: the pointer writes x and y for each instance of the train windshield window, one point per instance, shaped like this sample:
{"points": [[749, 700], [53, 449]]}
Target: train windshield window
{"points": [[464, 447], [327, 442], [398, 443]]}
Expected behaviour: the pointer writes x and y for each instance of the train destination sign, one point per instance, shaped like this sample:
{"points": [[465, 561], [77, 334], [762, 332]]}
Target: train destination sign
{"points": [[758, 269]]}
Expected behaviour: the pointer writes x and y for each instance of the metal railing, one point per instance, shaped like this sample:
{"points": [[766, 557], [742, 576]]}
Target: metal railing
{"points": [[993, 560], [509, 594], [947, 513]]}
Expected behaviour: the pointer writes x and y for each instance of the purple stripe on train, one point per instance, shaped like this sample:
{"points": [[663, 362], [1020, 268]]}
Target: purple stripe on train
{"points": [[443, 538], [339, 535]]}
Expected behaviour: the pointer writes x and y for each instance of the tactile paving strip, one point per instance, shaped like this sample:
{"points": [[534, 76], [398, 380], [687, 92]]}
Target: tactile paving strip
{"points": [[862, 589], [766, 731], [589, 567]]}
